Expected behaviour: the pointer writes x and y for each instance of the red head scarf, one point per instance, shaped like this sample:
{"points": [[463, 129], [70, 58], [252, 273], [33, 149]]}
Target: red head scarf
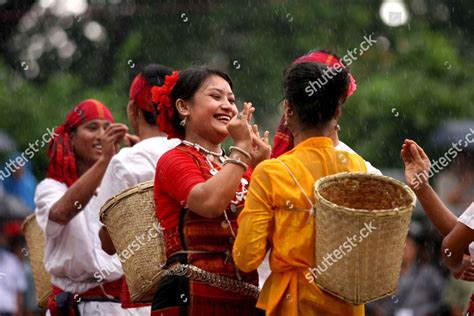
{"points": [[62, 164], [331, 61], [283, 140], [140, 93]]}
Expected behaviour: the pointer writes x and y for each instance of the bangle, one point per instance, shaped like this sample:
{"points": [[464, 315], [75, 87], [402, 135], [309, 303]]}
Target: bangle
{"points": [[236, 162], [243, 152]]}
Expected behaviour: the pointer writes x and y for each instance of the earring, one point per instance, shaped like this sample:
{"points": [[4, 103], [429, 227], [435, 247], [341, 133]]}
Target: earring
{"points": [[183, 122], [338, 127], [285, 123]]}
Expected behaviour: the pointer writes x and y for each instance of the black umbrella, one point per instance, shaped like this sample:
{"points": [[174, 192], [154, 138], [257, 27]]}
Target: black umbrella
{"points": [[6, 143], [460, 132]]}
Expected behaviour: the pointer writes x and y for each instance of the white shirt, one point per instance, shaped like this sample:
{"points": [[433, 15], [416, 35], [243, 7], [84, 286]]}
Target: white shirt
{"points": [[370, 169], [12, 281], [467, 218], [70, 255], [129, 167]]}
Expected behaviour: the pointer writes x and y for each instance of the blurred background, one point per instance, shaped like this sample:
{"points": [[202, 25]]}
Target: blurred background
{"points": [[415, 82]]}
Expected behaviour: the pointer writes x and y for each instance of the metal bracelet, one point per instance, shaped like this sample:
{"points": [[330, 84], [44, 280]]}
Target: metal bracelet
{"points": [[243, 152], [236, 162]]}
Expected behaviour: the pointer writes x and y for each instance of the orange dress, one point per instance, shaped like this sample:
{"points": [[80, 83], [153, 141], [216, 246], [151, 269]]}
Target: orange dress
{"points": [[277, 217]]}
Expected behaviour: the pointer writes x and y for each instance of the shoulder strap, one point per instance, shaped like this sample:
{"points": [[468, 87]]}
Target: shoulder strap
{"points": [[311, 210]]}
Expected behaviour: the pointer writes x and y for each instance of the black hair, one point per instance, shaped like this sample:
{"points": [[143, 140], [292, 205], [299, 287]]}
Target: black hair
{"points": [[190, 81], [154, 74], [314, 91]]}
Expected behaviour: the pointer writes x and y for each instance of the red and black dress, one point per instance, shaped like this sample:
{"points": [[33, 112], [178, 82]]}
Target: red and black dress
{"points": [[204, 279]]}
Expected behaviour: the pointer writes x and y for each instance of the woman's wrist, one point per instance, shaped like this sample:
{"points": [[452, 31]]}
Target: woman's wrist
{"points": [[239, 156], [237, 162], [244, 145]]}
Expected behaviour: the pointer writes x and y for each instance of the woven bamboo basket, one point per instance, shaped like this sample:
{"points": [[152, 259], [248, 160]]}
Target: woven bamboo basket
{"points": [[35, 240], [366, 219], [137, 236]]}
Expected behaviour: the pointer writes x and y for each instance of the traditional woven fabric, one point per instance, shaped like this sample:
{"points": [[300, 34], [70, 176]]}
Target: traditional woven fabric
{"points": [[203, 242]]}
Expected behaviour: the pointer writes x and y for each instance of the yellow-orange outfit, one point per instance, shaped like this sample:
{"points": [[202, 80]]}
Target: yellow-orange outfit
{"points": [[276, 217]]}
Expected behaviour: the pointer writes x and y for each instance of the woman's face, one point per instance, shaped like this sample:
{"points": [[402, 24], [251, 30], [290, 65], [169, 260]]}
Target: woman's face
{"points": [[212, 108], [86, 140]]}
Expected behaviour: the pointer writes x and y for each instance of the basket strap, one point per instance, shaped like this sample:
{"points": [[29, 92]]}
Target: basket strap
{"points": [[311, 210]]}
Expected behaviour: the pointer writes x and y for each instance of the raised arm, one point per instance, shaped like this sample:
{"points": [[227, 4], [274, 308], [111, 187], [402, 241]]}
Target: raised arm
{"points": [[417, 164], [210, 198], [79, 194]]}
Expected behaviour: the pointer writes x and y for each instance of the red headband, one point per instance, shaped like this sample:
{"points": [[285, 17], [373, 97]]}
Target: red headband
{"points": [[331, 61], [161, 96], [62, 164], [140, 93]]}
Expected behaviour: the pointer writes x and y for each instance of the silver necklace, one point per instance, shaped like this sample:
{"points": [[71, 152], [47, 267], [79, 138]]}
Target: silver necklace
{"points": [[209, 154]]}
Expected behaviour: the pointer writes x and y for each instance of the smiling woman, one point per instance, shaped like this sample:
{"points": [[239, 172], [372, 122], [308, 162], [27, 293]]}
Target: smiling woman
{"points": [[87, 144], [199, 192], [79, 155]]}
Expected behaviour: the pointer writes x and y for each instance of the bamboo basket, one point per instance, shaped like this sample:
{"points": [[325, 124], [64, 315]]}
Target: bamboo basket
{"points": [[35, 240], [138, 238], [366, 218]]}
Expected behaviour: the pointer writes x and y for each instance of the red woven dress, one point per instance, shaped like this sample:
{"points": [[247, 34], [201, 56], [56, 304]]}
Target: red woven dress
{"points": [[204, 279]]}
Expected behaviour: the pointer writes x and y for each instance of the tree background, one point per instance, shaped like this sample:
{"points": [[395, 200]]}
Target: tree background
{"points": [[53, 54]]}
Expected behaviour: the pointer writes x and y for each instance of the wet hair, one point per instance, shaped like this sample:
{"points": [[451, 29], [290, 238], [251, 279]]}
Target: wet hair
{"points": [[313, 94], [154, 74], [190, 81]]}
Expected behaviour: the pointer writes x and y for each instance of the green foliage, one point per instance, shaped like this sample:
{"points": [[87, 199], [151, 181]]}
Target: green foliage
{"points": [[418, 73]]}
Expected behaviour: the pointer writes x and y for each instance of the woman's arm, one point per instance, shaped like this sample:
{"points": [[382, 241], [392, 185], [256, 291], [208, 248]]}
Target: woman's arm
{"points": [[79, 194], [211, 198], [454, 246], [106, 241], [417, 165]]}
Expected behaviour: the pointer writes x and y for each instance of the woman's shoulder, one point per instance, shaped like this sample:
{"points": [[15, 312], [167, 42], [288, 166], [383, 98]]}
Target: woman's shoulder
{"points": [[177, 153], [270, 167]]}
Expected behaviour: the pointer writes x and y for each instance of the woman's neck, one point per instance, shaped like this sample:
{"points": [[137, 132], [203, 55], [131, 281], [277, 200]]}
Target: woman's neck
{"points": [[148, 131], [302, 135], [193, 138]]}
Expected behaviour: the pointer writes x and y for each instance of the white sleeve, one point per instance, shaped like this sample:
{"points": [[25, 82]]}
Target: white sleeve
{"points": [[48, 192], [370, 169], [467, 218], [116, 179]]}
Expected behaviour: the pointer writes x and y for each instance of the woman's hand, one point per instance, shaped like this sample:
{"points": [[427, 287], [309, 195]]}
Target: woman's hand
{"points": [[239, 130], [467, 270], [417, 165], [261, 149], [130, 140], [111, 139]]}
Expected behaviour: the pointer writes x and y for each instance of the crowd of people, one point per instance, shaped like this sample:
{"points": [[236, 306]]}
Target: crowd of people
{"points": [[225, 215]]}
